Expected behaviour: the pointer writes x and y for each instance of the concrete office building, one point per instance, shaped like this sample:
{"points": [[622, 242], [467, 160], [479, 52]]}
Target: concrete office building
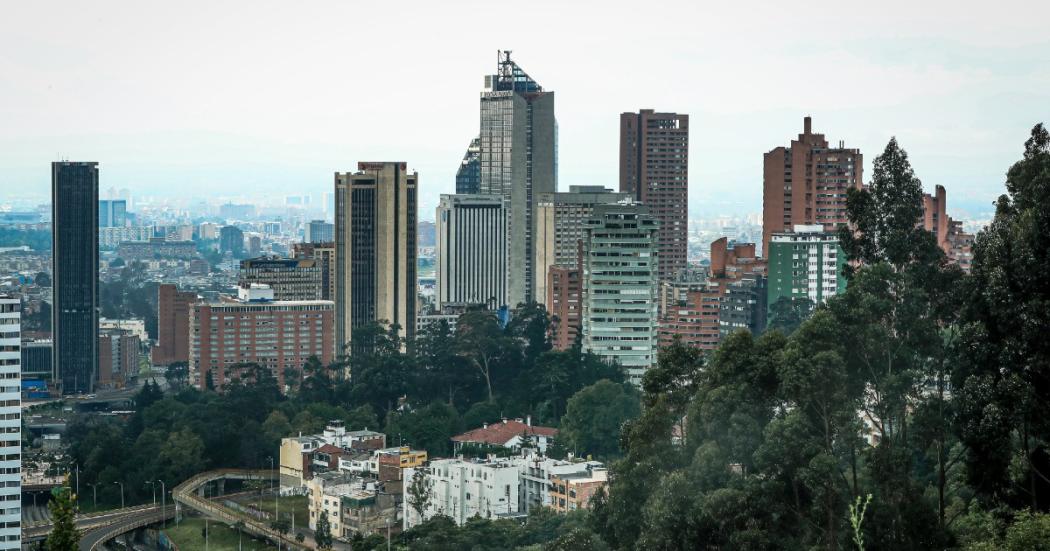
{"points": [[806, 263], [620, 287], [112, 213], [654, 169], [472, 250], [468, 175], [560, 221], [74, 311], [10, 423], [254, 328], [173, 324], [375, 241], [290, 278], [319, 231], [324, 255], [806, 184], [518, 159]]}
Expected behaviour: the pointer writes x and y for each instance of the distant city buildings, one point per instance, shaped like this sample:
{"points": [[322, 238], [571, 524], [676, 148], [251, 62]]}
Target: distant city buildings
{"points": [[289, 278], [157, 248], [74, 322], [518, 159], [805, 263], [806, 184], [10, 423], [620, 287], [118, 356], [277, 335], [654, 169], [376, 249], [109, 238], [472, 250]]}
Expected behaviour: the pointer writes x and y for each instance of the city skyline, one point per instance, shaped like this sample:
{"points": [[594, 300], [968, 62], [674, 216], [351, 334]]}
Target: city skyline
{"points": [[955, 98]]}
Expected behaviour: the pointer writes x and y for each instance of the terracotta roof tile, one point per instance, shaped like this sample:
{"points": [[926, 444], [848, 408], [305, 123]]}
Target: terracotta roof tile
{"points": [[501, 433]]}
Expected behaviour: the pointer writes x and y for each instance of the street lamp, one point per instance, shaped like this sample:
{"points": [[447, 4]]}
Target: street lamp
{"points": [[163, 503], [121, 484], [153, 486], [94, 494]]}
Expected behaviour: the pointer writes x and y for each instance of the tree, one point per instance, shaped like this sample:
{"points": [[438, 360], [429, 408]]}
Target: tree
{"points": [[64, 535], [1002, 379], [787, 314], [482, 342], [595, 416], [177, 375], [323, 534], [419, 493]]}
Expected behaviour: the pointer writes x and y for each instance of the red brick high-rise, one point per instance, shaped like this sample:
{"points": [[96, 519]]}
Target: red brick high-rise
{"points": [[806, 183], [654, 169], [173, 324], [956, 243]]}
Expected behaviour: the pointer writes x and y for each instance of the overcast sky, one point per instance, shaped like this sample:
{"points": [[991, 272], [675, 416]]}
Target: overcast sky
{"points": [[249, 99]]}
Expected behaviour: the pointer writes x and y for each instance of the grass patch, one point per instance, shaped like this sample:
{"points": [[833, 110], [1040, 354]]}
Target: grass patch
{"points": [[300, 504], [189, 536]]}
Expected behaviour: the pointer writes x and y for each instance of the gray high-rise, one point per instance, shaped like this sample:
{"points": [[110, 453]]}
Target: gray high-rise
{"points": [[471, 250], [74, 312], [518, 160]]}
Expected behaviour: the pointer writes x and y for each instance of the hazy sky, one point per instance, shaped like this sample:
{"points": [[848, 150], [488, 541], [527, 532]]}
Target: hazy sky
{"points": [[247, 99]]}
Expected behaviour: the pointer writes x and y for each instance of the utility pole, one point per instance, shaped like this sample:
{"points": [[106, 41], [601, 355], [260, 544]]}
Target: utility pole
{"points": [[163, 503], [121, 494], [153, 486], [94, 494]]}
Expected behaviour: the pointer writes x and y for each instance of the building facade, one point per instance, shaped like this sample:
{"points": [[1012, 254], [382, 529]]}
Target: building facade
{"points": [[565, 304], [112, 213], [620, 287], [118, 357], [231, 240], [319, 231], [472, 250], [376, 251], [276, 335], [468, 175], [173, 324], [324, 255], [806, 263], [518, 159], [157, 247], [74, 275], [560, 221], [689, 310], [654, 169], [462, 489], [743, 306], [806, 184], [956, 243], [289, 278], [10, 423]]}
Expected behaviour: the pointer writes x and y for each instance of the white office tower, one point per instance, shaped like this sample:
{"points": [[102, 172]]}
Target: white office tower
{"points": [[10, 423], [472, 250], [620, 287]]}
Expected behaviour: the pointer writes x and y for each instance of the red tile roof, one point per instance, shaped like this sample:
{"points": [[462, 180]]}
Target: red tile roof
{"points": [[330, 449], [501, 433]]}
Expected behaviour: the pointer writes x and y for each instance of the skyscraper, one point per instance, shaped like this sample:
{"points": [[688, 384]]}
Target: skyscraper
{"points": [[620, 287], [518, 159], [231, 240], [806, 183], [112, 213], [375, 241], [10, 422], [472, 250], [74, 313], [319, 231], [654, 169], [173, 324], [468, 176]]}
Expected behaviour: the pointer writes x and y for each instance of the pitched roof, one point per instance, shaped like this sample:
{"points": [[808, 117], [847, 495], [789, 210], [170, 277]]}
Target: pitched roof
{"points": [[501, 433], [330, 449]]}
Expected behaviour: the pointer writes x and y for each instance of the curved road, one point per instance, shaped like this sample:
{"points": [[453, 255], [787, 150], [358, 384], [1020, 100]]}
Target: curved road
{"points": [[91, 540]]}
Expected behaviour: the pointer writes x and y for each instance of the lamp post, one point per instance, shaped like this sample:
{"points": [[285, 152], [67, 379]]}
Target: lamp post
{"points": [[163, 503], [121, 484], [387, 533], [153, 486], [94, 494]]}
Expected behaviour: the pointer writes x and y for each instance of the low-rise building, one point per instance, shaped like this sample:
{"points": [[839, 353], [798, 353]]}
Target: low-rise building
{"points": [[462, 489], [335, 448], [509, 433], [573, 491]]}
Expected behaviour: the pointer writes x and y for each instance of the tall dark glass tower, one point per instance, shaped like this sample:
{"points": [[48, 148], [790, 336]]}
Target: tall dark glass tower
{"points": [[74, 236], [468, 177], [518, 158]]}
